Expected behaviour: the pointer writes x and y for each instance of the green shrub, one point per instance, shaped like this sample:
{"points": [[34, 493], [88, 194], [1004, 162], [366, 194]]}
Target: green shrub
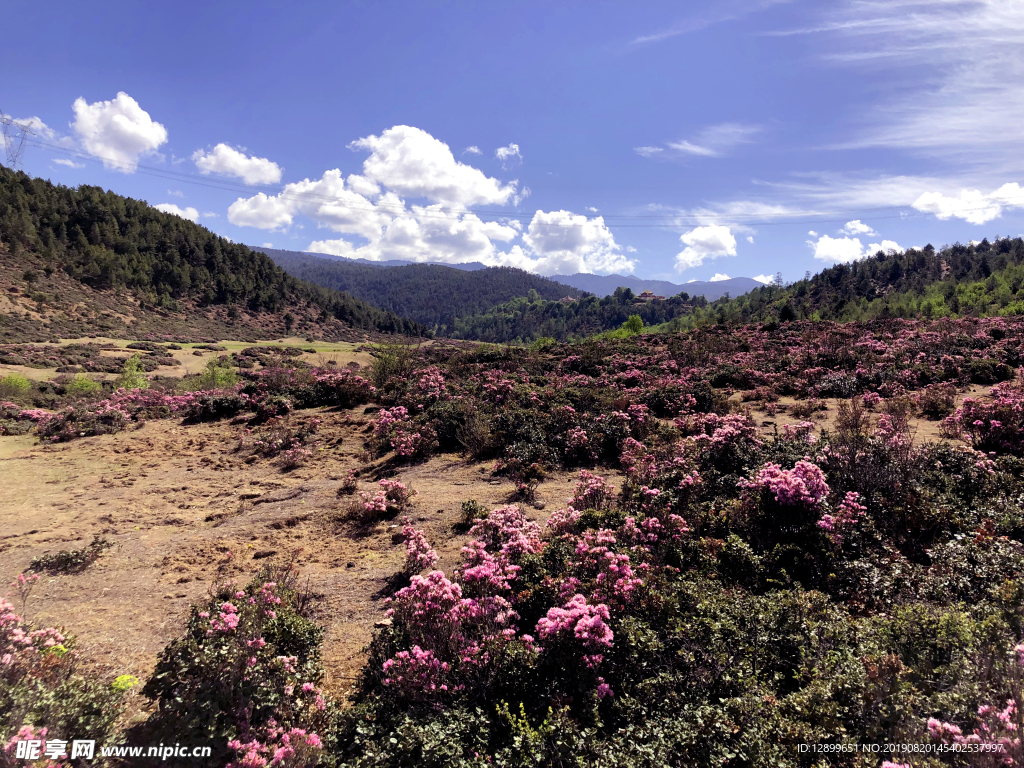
{"points": [[81, 386], [216, 375], [392, 366], [71, 560], [132, 374], [14, 385]]}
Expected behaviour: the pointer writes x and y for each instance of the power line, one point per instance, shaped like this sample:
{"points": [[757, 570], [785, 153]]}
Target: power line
{"points": [[616, 221]]}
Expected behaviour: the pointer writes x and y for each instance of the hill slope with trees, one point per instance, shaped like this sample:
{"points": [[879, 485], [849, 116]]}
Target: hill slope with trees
{"points": [[431, 294], [605, 285], [975, 280], [527, 319], [110, 243]]}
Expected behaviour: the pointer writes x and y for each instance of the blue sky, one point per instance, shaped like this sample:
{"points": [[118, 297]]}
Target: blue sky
{"points": [[677, 140]]}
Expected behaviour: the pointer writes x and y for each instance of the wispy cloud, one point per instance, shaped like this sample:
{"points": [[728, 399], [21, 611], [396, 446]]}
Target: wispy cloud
{"points": [[713, 141], [955, 70], [724, 11]]}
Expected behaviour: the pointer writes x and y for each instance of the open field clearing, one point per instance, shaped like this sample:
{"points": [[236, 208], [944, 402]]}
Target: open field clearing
{"points": [[173, 501]]}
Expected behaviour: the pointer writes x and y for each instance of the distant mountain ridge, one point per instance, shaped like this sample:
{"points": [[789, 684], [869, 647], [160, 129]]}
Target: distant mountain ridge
{"points": [[433, 294], [605, 285], [599, 285]]}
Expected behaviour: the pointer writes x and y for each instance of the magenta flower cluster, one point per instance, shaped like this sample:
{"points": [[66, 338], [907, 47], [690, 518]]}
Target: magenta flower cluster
{"points": [[804, 485]]}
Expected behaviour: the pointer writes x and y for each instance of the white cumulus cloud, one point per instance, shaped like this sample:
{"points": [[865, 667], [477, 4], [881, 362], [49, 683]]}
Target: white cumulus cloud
{"points": [[261, 211], [119, 132], [380, 213], [856, 227], [719, 277], [766, 279], [409, 161], [846, 249], [509, 156], [228, 161], [750, 239], [564, 242], [473, 150], [189, 213], [973, 206], [710, 242], [35, 126]]}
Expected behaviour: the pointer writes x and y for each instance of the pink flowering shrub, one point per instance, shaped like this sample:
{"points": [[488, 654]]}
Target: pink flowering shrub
{"points": [[393, 429], [292, 446], [416, 674], [846, 515], [247, 672], [592, 492], [996, 737], [387, 420], [721, 441], [419, 556], [802, 486], [871, 400], [507, 530], [800, 433], [39, 668], [993, 425], [391, 498], [274, 746], [579, 624], [431, 384], [73, 423]]}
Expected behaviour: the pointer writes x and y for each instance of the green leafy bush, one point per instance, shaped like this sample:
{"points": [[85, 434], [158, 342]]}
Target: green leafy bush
{"points": [[81, 386], [14, 386], [133, 374]]}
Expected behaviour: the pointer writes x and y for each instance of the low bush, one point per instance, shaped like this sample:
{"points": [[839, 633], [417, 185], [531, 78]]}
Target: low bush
{"points": [[80, 387], [215, 405], [75, 422], [42, 691], [994, 425], [391, 498], [936, 401], [14, 386], [245, 677], [71, 560]]}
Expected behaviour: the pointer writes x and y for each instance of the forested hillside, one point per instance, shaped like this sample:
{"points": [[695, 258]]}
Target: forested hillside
{"points": [[605, 285], [106, 241], [526, 319], [976, 280], [431, 294]]}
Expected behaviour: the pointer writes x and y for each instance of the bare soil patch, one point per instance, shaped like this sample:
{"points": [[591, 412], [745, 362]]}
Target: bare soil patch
{"points": [[182, 509]]}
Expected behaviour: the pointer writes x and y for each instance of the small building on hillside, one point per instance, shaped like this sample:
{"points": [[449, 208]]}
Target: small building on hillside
{"points": [[567, 300], [650, 296]]}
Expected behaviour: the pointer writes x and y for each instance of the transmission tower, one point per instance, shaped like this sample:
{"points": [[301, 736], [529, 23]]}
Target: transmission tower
{"points": [[14, 145]]}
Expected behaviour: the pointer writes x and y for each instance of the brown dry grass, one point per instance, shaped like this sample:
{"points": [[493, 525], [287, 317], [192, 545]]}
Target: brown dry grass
{"points": [[174, 500]]}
